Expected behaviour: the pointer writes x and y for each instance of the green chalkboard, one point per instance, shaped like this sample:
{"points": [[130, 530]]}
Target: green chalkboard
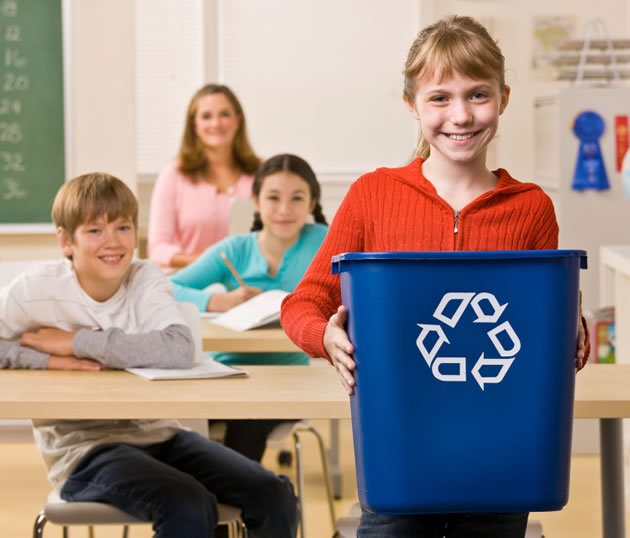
{"points": [[31, 109]]}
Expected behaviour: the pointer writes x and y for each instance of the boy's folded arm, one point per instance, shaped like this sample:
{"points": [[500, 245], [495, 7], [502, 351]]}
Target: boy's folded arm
{"points": [[15, 356], [172, 347]]}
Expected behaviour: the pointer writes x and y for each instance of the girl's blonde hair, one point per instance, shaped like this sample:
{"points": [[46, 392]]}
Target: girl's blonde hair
{"points": [[192, 155], [451, 45]]}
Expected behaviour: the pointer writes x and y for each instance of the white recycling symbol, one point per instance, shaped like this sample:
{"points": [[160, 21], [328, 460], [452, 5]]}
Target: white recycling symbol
{"points": [[475, 300]]}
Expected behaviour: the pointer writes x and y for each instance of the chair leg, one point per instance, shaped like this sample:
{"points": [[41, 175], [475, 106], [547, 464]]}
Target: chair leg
{"points": [[65, 532], [125, 533], [299, 471], [325, 469], [38, 527]]}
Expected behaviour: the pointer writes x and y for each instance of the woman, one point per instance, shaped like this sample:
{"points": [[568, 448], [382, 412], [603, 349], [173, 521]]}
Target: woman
{"points": [[190, 206]]}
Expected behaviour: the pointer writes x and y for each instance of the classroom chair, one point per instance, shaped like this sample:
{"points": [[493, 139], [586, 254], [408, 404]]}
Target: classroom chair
{"points": [[277, 439], [294, 429], [67, 514], [347, 526]]}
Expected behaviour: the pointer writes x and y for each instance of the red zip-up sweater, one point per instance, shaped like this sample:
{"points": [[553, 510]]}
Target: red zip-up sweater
{"points": [[398, 209]]}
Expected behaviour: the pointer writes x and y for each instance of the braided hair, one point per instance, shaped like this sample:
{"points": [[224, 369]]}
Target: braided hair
{"points": [[286, 162]]}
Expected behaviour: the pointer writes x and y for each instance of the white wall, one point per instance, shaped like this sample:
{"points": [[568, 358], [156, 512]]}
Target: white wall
{"points": [[101, 108], [356, 119]]}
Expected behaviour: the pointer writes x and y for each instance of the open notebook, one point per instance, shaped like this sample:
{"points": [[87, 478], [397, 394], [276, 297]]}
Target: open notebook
{"points": [[202, 368], [263, 309]]}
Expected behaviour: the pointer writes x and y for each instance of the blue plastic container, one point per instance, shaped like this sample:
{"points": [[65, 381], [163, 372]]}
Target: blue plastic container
{"points": [[465, 378]]}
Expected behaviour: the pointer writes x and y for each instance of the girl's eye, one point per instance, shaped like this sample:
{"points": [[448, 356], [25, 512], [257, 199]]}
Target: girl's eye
{"points": [[273, 197], [124, 228], [298, 198], [205, 116], [94, 230], [479, 95], [225, 114], [438, 99]]}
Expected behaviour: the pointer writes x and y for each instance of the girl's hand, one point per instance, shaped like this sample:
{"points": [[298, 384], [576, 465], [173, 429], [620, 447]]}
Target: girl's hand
{"points": [[221, 302], [49, 340], [580, 361], [340, 349], [72, 363]]}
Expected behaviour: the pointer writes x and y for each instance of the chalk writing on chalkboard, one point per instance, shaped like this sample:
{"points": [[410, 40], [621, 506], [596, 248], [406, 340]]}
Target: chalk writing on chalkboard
{"points": [[31, 109]]}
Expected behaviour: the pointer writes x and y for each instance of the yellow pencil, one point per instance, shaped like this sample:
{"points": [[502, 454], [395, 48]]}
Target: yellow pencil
{"points": [[231, 268]]}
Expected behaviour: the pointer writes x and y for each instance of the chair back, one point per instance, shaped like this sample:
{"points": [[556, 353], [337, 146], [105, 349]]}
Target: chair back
{"points": [[241, 216], [191, 316]]}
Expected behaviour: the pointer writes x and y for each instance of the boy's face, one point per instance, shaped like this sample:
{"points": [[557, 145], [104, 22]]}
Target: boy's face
{"points": [[101, 254]]}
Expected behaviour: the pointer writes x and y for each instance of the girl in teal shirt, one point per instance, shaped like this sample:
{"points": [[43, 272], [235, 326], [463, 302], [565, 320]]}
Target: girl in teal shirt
{"points": [[274, 255]]}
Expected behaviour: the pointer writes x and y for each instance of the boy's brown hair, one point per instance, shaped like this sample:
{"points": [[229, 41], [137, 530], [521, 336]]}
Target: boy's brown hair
{"points": [[90, 196]]}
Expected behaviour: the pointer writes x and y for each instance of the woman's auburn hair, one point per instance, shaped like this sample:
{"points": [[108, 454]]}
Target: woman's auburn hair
{"points": [[192, 156]]}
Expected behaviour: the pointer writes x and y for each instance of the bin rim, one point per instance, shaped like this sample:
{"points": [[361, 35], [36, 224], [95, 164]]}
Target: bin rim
{"points": [[458, 255]]}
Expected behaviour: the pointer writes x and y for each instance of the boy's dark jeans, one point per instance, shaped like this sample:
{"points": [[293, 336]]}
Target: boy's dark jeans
{"points": [[176, 485], [500, 525]]}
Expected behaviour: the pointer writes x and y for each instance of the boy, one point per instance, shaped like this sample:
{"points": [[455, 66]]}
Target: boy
{"points": [[102, 308]]}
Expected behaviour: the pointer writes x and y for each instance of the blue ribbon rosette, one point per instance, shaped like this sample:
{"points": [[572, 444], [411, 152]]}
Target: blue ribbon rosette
{"points": [[590, 171]]}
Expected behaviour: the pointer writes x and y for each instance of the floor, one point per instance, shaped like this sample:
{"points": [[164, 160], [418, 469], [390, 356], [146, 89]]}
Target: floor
{"points": [[24, 488]]}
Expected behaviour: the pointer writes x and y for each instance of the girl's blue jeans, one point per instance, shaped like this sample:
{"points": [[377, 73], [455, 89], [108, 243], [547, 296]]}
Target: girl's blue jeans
{"points": [[498, 525], [176, 485]]}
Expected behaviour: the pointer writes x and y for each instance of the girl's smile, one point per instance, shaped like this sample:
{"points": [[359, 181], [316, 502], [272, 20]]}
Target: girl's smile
{"points": [[459, 116]]}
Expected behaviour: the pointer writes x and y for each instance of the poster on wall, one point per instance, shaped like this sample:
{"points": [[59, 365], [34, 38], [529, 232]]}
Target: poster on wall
{"points": [[547, 32]]}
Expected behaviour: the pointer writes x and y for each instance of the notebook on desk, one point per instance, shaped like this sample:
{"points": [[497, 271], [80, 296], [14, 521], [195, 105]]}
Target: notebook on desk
{"points": [[259, 311], [209, 368]]}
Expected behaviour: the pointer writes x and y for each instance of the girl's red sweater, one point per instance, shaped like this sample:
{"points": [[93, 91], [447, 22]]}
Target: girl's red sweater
{"points": [[398, 209]]}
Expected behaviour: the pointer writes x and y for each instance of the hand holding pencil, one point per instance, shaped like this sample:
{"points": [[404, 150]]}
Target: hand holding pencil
{"points": [[221, 302]]}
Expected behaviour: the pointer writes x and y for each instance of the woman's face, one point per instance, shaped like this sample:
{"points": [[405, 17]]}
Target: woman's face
{"points": [[284, 203], [216, 121]]}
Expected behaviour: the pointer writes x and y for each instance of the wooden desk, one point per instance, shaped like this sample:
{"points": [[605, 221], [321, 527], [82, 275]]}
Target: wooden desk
{"points": [[602, 391], [292, 392], [216, 338], [615, 290]]}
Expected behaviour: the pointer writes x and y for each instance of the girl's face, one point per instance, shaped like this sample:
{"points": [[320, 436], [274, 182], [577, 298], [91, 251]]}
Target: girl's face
{"points": [[216, 121], [284, 203], [459, 116]]}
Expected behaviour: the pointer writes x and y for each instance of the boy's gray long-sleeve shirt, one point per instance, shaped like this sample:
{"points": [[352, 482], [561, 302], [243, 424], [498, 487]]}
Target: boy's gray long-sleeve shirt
{"points": [[140, 325]]}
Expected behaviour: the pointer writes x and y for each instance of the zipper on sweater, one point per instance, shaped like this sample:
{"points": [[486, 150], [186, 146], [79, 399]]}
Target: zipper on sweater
{"points": [[456, 221]]}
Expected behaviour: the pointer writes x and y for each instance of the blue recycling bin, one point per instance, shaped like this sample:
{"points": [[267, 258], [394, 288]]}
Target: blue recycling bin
{"points": [[465, 371]]}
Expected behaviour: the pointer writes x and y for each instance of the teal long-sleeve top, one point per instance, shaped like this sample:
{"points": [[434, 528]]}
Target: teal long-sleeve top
{"points": [[243, 251]]}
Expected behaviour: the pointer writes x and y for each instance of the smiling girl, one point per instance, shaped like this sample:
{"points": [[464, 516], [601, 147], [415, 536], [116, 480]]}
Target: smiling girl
{"points": [[446, 199], [275, 255]]}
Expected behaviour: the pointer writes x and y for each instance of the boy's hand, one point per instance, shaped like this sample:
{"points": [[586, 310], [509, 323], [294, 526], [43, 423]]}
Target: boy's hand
{"points": [[340, 349], [49, 340], [580, 361], [221, 302], [72, 363]]}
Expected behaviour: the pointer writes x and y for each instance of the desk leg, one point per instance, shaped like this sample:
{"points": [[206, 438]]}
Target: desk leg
{"points": [[611, 455], [333, 458]]}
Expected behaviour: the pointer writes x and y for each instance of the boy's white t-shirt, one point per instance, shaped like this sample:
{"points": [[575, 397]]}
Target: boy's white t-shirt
{"points": [[50, 296]]}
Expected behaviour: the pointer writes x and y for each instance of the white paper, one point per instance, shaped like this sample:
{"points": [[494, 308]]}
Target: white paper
{"points": [[209, 368], [259, 310]]}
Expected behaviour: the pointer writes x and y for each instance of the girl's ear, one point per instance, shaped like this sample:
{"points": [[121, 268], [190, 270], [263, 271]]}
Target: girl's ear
{"points": [[411, 106], [65, 241], [505, 98]]}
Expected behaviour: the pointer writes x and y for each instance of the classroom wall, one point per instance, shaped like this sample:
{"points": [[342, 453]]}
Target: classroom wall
{"points": [[103, 96], [102, 106]]}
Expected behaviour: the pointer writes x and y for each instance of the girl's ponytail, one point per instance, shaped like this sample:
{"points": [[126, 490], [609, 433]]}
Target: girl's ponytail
{"points": [[318, 215]]}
